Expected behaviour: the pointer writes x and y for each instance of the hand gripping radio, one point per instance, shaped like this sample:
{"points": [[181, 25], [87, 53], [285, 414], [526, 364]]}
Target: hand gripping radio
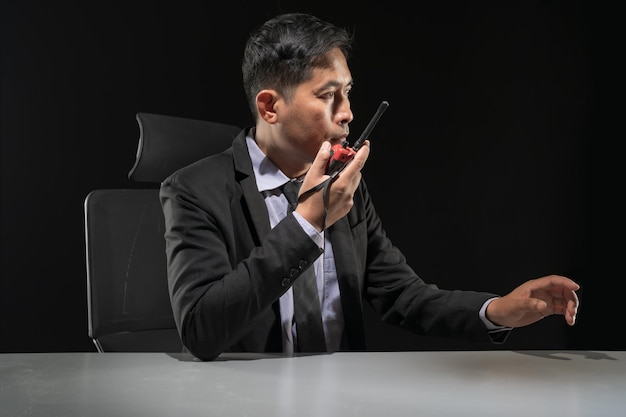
{"points": [[341, 154]]}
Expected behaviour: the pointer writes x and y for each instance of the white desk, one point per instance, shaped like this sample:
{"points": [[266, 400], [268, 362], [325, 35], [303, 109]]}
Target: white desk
{"points": [[485, 383]]}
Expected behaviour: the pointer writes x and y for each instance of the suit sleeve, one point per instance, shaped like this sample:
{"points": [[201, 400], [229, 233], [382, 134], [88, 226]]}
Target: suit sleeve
{"points": [[223, 280], [402, 298]]}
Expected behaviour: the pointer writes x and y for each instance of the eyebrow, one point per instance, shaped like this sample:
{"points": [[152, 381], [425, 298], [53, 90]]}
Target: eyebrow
{"points": [[333, 84]]}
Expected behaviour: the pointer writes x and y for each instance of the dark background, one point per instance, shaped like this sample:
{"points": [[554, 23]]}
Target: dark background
{"points": [[493, 164]]}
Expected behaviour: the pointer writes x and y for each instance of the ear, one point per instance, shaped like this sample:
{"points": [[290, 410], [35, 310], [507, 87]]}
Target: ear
{"points": [[266, 105]]}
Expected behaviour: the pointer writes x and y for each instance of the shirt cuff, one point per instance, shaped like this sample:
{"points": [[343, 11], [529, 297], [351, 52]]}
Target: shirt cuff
{"points": [[317, 237], [483, 316], [497, 334]]}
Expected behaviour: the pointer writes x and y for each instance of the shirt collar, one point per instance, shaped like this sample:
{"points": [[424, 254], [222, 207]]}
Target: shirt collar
{"points": [[268, 176]]}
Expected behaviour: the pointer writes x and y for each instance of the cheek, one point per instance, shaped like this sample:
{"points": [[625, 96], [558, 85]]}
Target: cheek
{"points": [[308, 126], [318, 119], [310, 122], [312, 134]]}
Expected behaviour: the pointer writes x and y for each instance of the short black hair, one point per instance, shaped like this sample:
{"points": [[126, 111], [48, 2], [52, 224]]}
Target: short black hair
{"points": [[283, 51]]}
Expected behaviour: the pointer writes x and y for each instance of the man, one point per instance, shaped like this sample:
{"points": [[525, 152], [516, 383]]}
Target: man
{"points": [[236, 251]]}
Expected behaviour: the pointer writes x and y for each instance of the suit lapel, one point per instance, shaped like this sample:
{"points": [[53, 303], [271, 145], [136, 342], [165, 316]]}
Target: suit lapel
{"points": [[252, 199]]}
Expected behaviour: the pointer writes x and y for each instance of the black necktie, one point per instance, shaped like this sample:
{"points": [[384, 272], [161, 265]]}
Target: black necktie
{"points": [[307, 314]]}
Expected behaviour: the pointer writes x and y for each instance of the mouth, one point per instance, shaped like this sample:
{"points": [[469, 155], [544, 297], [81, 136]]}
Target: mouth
{"points": [[342, 138], [338, 141]]}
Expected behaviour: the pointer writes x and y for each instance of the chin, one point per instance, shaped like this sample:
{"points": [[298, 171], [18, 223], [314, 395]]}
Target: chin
{"points": [[334, 142]]}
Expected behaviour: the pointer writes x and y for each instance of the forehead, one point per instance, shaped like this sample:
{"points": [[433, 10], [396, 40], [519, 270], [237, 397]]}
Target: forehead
{"points": [[335, 72]]}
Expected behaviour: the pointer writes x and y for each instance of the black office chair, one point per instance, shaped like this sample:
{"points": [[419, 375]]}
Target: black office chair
{"points": [[128, 300]]}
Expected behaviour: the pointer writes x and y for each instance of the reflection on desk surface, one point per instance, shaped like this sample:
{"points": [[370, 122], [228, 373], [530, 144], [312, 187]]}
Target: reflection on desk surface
{"points": [[467, 383]]}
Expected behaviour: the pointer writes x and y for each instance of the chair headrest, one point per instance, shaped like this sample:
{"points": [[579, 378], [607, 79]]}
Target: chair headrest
{"points": [[167, 143]]}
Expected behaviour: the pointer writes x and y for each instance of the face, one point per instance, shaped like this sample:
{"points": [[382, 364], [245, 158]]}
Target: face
{"points": [[318, 111]]}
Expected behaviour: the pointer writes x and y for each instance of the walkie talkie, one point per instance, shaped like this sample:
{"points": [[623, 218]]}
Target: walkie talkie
{"points": [[342, 154]]}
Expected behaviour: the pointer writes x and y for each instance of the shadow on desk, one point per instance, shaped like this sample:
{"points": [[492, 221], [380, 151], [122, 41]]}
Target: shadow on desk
{"points": [[240, 356], [562, 355]]}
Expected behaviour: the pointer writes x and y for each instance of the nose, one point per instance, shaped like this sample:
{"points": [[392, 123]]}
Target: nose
{"points": [[344, 113]]}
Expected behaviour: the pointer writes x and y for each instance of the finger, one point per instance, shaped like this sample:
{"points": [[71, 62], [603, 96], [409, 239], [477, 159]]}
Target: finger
{"points": [[571, 312], [567, 303], [572, 297], [321, 158], [561, 281], [359, 159], [531, 305], [537, 305]]}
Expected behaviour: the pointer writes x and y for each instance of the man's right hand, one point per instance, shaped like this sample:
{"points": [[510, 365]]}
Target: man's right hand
{"points": [[340, 190]]}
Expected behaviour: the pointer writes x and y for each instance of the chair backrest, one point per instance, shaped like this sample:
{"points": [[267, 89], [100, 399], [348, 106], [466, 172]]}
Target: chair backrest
{"points": [[167, 143], [128, 301], [127, 296]]}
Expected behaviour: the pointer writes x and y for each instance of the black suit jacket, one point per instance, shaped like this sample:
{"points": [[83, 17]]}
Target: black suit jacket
{"points": [[227, 268]]}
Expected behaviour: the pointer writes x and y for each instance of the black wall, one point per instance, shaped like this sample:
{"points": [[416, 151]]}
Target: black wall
{"points": [[491, 166]]}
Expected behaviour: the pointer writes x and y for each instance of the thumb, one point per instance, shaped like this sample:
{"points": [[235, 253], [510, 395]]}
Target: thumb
{"points": [[321, 159], [535, 305], [516, 312]]}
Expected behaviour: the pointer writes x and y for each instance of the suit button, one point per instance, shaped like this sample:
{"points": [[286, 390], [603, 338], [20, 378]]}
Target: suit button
{"points": [[285, 282], [302, 264]]}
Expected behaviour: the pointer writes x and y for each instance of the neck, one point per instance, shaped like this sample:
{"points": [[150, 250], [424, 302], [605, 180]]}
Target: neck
{"points": [[285, 157]]}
